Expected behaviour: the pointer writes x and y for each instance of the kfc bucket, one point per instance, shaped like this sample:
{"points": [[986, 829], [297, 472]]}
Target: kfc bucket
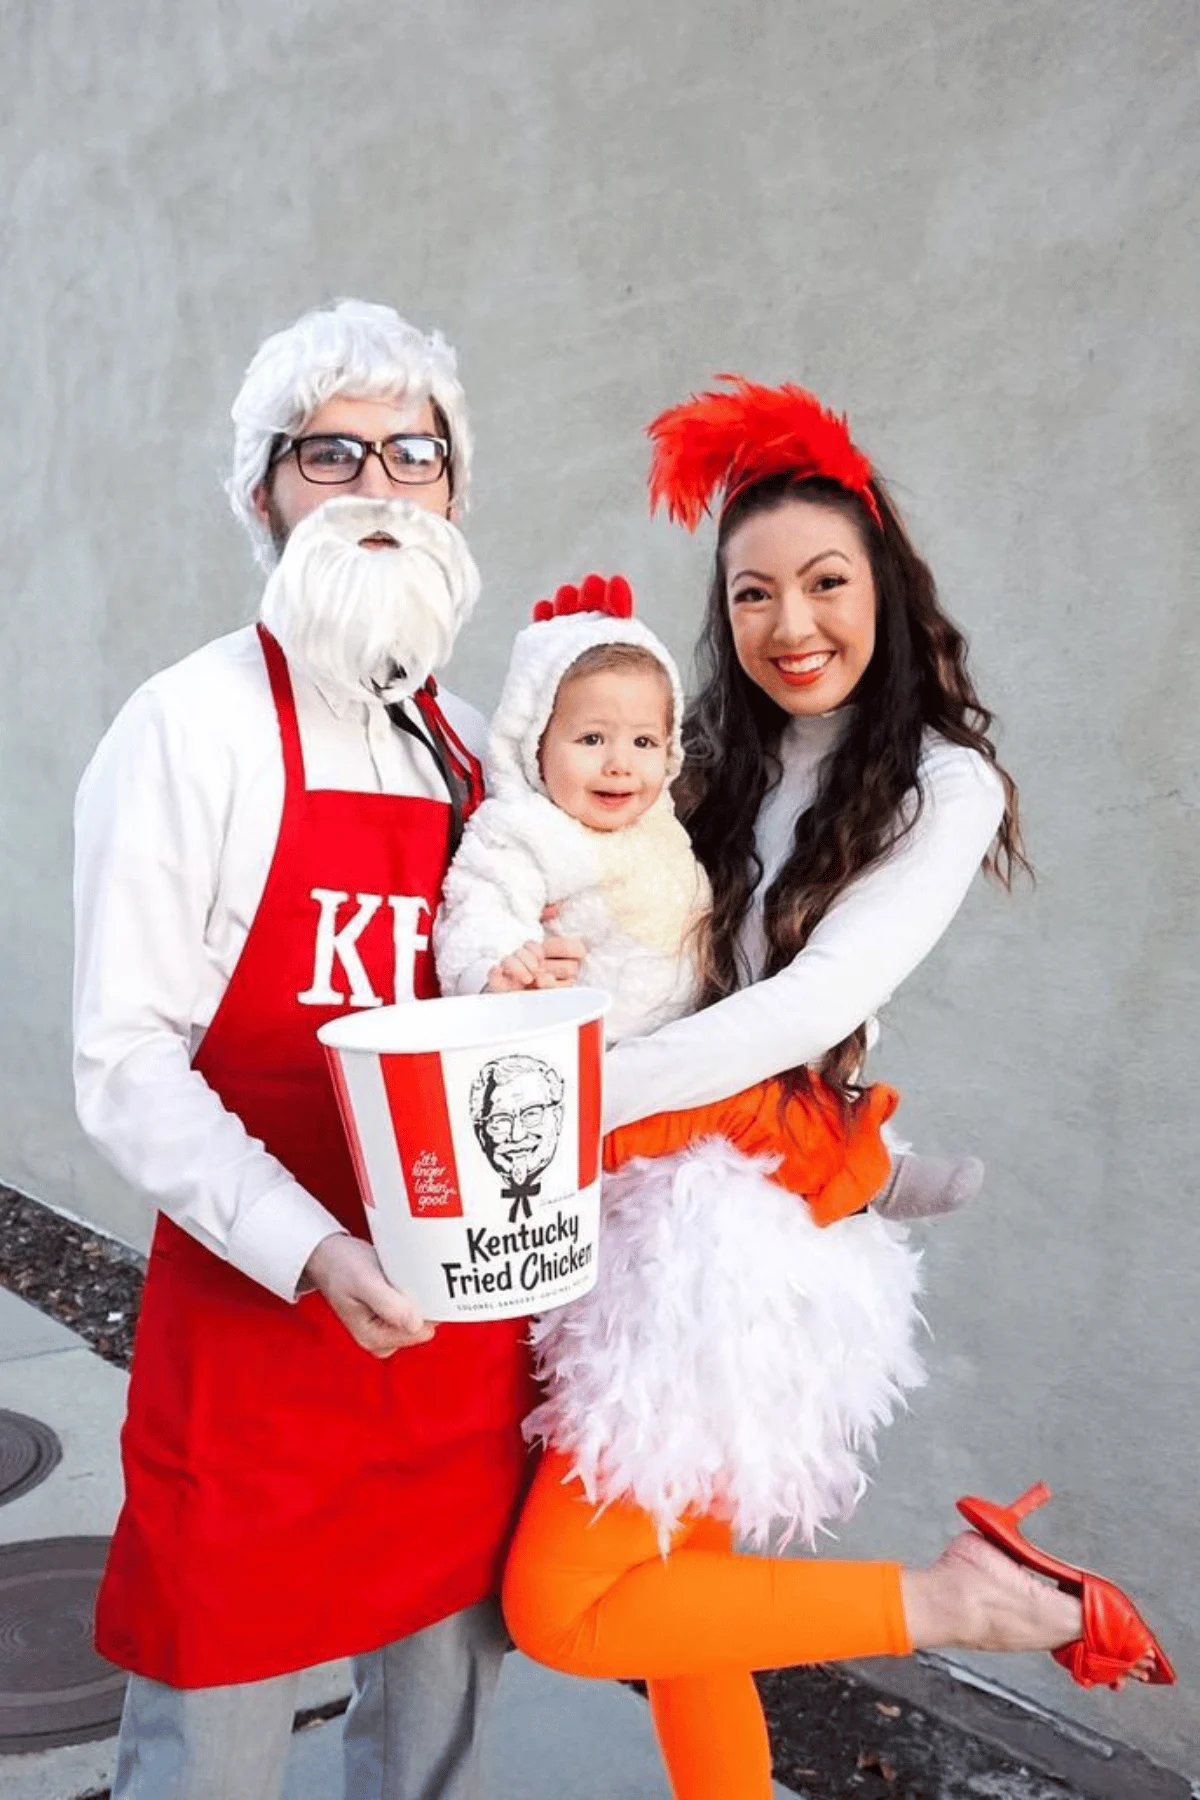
{"points": [[474, 1125]]}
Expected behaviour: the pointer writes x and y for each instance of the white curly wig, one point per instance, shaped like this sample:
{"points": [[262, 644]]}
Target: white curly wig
{"points": [[353, 347]]}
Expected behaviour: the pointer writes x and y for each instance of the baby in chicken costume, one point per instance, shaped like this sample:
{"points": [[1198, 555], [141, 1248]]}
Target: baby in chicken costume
{"points": [[654, 1389], [601, 842]]}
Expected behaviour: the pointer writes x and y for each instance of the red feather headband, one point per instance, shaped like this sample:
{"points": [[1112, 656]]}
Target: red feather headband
{"points": [[730, 440]]}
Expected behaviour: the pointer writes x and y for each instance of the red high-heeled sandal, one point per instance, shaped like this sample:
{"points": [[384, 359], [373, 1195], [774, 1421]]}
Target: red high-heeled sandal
{"points": [[1115, 1636]]}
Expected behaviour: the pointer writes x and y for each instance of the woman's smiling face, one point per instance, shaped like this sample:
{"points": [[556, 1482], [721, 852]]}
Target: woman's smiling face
{"points": [[801, 599]]}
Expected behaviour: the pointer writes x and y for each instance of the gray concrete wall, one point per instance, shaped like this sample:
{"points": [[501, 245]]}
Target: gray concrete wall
{"points": [[974, 226]]}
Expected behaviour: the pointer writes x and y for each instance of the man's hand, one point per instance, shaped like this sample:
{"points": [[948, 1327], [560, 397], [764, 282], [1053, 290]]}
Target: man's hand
{"points": [[377, 1315]]}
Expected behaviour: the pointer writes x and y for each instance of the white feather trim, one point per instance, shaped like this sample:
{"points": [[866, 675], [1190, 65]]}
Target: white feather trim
{"points": [[733, 1357]]}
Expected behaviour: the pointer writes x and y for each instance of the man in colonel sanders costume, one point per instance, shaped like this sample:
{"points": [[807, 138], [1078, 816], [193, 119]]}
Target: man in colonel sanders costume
{"points": [[312, 1471]]}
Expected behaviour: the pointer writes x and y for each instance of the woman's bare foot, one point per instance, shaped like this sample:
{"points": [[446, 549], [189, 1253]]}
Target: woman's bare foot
{"points": [[976, 1598]]}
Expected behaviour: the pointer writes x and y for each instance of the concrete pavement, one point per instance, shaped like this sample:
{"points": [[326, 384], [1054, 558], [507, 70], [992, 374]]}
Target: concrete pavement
{"points": [[48, 1373], [551, 1736]]}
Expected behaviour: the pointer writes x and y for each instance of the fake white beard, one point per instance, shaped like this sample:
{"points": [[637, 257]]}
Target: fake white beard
{"points": [[370, 624]]}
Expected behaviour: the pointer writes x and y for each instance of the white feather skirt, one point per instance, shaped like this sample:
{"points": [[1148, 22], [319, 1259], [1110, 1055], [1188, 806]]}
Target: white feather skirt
{"points": [[733, 1357]]}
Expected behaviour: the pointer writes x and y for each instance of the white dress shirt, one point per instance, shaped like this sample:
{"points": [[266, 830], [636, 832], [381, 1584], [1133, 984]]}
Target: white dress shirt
{"points": [[176, 822], [871, 938]]}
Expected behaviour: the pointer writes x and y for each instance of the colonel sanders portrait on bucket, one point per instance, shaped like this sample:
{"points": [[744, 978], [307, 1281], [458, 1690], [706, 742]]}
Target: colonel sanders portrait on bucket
{"points": [[517, 1112]]}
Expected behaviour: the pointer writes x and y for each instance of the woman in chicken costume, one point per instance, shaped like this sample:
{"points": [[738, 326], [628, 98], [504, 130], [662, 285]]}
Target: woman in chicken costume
{"points": [[752, 1323], [634, 1389]]}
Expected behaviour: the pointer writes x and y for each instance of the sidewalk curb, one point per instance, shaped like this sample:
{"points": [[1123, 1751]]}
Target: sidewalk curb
{"points": [[1096, 1767]]}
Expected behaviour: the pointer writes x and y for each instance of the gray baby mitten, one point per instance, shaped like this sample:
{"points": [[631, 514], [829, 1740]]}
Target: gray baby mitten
{"points": [[925, 1187]]}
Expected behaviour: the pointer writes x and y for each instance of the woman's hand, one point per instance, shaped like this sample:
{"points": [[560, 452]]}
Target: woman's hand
{"points": [[521, 970], [377, 1315], [549, 963], [562, 955]]}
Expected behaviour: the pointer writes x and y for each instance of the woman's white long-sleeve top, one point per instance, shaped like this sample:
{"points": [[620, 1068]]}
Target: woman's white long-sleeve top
{"points": [[884, 924]]}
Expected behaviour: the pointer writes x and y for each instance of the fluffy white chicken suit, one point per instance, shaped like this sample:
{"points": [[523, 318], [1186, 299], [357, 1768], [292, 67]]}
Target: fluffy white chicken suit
{"points": [[733, 1358]]}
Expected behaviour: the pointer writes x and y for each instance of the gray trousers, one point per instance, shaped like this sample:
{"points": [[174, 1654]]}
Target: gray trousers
{"points": [[412, 1731]]}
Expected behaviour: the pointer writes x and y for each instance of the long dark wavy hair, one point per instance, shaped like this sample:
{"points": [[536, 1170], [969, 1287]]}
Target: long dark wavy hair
{"points": [[868, 797]]}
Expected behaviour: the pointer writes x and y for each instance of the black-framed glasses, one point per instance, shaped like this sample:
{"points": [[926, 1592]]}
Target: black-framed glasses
{"points": [[332, 459]]}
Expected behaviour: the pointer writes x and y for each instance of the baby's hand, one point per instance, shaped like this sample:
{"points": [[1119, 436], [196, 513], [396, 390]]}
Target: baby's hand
{"points": [[525, 968]]}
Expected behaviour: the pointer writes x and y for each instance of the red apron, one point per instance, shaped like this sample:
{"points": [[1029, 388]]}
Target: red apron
{"points": [[289, 1498]]}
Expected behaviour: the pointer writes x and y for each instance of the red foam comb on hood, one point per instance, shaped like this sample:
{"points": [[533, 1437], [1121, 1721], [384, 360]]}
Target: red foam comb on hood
{"points": [[727, 440], [595, 594]]}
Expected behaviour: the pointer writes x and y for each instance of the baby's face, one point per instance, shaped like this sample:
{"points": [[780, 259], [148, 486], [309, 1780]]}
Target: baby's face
{"points": [[604, 752]]}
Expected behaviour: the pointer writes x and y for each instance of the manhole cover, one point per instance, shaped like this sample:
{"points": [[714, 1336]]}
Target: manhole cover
{"points": [[54, 1689], [28, 1452]]}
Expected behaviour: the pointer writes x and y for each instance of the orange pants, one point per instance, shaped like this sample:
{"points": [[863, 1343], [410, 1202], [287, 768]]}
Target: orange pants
{"points": [[589, 1593]]}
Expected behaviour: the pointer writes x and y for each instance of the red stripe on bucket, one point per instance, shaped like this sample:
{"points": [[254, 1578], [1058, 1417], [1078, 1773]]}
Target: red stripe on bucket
{"points": [[351, 1129], [591, 1056], [417, 1102]]}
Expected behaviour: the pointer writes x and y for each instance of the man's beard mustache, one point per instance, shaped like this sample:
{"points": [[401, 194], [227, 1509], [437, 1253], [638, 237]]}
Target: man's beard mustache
{"points": [[370, 624]]}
